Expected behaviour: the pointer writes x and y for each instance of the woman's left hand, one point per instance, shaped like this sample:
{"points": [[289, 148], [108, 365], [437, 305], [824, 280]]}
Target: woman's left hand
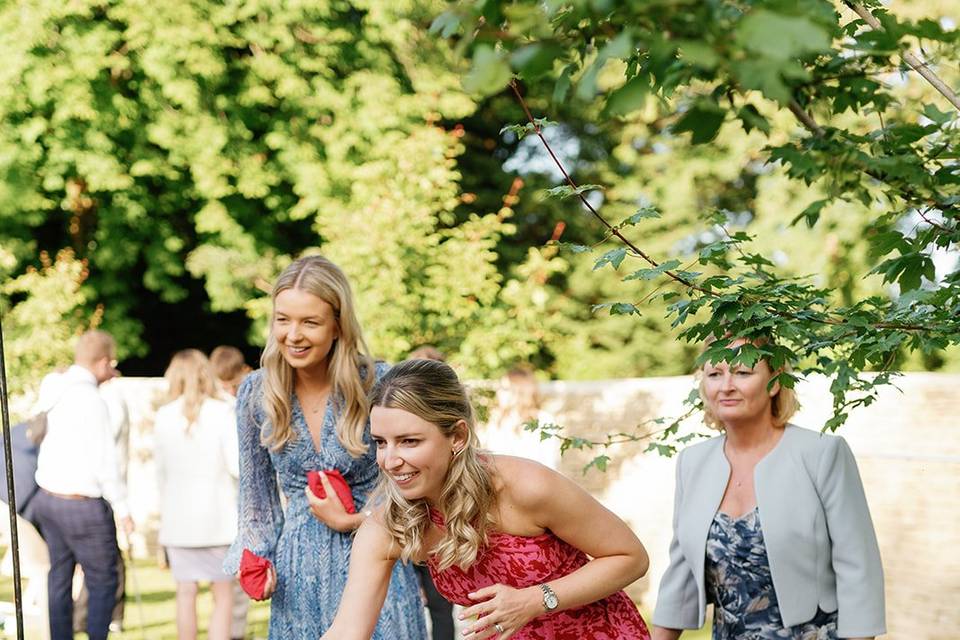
{"points": [[501, 611], [330, 511]]}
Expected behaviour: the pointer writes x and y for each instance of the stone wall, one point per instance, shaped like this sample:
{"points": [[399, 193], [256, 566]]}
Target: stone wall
{"points": [[907, 445]]}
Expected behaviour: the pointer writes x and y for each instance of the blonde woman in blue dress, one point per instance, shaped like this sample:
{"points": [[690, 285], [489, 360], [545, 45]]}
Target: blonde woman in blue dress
{"points": [[304, 410], [771, 523]]}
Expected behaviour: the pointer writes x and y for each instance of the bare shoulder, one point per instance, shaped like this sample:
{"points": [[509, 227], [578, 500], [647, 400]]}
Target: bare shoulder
{"points": [[373, 537], [526, 483]]}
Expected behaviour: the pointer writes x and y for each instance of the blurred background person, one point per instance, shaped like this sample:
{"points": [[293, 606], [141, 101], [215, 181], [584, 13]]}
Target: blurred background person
{"points": [[517, 403], [196, 457], [81, 487], [120, 425], [230, 368]]}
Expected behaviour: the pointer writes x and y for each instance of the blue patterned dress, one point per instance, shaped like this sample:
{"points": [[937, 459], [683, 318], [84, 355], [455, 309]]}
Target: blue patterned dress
{"points": [[310, 558], [740, 586]]}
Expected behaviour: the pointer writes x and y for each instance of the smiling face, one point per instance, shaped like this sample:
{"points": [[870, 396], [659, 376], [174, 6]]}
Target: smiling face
{"points": [[738, 394], [413, 453], [305, 328]]}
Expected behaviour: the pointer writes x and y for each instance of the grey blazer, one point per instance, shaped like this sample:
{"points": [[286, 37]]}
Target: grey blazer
{"points": [[816, 526]]}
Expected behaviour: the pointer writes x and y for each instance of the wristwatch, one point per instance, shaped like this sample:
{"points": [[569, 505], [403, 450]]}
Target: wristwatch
{"points": [[550, 599]]}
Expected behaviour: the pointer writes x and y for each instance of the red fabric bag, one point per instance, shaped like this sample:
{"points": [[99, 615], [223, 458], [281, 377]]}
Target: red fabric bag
{"points": [[253, 574], [340, 487]]}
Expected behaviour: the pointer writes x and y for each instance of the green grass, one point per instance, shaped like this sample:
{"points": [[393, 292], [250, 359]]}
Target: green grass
{"points": [[153, 617]]}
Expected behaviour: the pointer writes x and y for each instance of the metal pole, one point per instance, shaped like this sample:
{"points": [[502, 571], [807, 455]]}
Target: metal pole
{"points": [[11, 495], [132, 572]]}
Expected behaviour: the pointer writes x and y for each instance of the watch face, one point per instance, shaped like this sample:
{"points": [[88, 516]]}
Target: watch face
{"points": [[550, 601]]}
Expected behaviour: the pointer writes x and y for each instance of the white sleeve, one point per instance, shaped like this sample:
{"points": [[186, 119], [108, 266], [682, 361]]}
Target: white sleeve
{"points": [[108, 473], [229, 443]]}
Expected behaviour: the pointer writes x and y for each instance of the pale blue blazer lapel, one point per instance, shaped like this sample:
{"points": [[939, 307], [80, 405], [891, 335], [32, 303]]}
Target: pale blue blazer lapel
{"points": [[708, 485]]}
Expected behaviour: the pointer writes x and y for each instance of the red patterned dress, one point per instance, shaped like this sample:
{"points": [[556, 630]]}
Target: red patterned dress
{"points": [[520, 562]]}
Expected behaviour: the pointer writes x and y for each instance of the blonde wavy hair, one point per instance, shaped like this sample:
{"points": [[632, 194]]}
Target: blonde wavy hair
{"points": [[431, 391], [783, 405], [190, 376], [349, 365]]}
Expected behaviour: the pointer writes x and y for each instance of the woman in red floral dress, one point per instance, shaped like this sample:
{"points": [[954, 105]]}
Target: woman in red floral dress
{"points": [[528, 553]]}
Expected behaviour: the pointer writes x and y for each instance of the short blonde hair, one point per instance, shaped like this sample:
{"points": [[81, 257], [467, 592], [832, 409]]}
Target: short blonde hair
{"points": [[228, 363], [783, 405], [427, 352], [94, 345]]}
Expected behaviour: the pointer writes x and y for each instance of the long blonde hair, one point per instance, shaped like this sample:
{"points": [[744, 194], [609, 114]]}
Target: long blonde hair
{"points": [[431, 390], [783, 404], [348, 357], [190, 376]]}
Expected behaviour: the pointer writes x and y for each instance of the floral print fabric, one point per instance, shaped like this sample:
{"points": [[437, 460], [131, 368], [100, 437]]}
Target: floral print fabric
{"points": [[520, 562], [740, 586]]}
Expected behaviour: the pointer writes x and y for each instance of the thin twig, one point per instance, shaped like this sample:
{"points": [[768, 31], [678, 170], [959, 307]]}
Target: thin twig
{"points": [[613, 230], [930, 222], [613, 439]]}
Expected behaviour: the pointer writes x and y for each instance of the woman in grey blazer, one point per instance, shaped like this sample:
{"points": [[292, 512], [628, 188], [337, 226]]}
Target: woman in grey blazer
{"points": [[771, 524]]}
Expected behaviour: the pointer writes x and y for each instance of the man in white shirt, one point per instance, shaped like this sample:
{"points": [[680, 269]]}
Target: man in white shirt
{"points": [[80, 488]]}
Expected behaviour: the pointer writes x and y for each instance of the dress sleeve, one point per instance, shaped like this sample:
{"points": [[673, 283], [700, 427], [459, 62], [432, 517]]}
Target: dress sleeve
{"points": [[260, 517], [854, 550], [113, 488], [380, 370], [229, 448], [678, 602]]}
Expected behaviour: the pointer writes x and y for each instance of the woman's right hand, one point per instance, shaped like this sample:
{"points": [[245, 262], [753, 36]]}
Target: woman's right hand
{"points": [[660, 633], [268, 587]]}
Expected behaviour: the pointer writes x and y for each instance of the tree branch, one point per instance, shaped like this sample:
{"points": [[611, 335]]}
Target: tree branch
{"points": [[918, 65], [614, 231], [806, 119]]}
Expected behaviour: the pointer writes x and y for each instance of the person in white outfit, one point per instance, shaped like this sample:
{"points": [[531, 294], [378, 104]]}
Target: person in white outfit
{"points": [[196, 454], [230, 368], [80, 487]]}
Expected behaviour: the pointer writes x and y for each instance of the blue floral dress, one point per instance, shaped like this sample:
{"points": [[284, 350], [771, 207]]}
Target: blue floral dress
{"points": [[310, 558], [740, 586]]}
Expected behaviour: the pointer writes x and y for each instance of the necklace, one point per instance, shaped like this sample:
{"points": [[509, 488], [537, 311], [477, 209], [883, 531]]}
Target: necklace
{"points": [[311, 405], [320, 405]]}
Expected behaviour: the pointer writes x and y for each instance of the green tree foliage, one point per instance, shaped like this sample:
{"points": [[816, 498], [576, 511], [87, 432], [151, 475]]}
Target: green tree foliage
{"points": [[806, 175], [208, 140], [42, 316]]}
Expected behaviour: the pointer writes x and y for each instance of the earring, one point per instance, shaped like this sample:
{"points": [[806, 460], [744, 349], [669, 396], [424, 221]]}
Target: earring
{"points": [[457, 452]]}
